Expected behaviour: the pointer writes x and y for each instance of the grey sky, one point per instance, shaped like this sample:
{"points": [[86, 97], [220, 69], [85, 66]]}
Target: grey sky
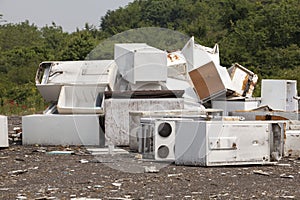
{"points": [[70, 14]]}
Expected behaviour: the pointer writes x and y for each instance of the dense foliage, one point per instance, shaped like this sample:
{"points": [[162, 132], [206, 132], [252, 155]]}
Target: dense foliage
{"points": [[262, 35]]}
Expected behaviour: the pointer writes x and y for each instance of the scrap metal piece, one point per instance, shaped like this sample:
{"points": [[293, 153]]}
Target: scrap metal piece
{"points": [[197, 55], [292, 140], [3, 131], [211, 81], [81, 99], [243, 80], [177, 66]]}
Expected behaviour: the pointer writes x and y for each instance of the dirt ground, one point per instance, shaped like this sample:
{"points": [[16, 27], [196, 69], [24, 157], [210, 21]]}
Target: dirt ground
{"points": [[36, 172]]}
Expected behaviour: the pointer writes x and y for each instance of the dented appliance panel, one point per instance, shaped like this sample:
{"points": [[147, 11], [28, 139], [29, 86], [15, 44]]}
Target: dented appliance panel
{"points": [[227, 144], [217, 143], [56, 129], [210, 81]]}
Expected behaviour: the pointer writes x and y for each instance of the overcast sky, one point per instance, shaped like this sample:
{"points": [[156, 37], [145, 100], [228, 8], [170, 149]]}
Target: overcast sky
{"points": [[70, 14]]}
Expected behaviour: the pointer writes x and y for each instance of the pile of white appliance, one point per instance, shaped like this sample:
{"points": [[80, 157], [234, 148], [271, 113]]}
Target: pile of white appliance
{"points": [[180, 106]]}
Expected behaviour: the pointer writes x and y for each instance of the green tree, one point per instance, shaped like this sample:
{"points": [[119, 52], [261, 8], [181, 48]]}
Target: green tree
{"points": [[79, 45], [55, 40]]}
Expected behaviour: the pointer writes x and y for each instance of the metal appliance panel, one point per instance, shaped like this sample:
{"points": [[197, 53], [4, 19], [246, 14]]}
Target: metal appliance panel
{"points": [[292, 143], [56, 129], [237, 142], [136, 61], [218, 143], [81, 99], [279, 94], [3, 131]]}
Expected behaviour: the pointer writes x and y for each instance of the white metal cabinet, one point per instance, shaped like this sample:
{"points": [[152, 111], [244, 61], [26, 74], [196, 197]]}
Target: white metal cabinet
{"points": [[139, 62], [55, 129], [3, 131], [279, 94], [216, 143]]}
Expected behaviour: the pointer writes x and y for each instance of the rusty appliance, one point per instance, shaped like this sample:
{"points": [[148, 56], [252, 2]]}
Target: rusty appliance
{"points": [[243, 80]]}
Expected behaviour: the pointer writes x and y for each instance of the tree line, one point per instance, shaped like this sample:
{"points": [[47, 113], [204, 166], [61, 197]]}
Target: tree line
{"points": [[262, 35]]}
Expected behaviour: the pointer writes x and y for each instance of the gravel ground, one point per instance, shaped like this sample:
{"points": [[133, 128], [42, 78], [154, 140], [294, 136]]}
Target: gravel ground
{"points": [[32, 172]]}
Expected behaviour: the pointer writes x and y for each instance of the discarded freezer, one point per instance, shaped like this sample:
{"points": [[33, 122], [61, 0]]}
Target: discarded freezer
{"points": [[51, 76], [177, 66], [292, 144], [3, 131], [279, 94], [139, 62], [53, 129], [216, 143], [209, 79], [117, 114]]}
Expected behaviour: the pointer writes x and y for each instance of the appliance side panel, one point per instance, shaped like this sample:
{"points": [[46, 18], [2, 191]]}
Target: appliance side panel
{"points": [[190, 143], [233, 143]]}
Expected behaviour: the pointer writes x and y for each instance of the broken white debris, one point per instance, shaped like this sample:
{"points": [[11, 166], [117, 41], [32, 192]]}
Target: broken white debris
{"points": [[103, 151], [172, 175], [17, 172], [260, 172], [83, 161], [282, 164], [117, 185], [286, 176], [151, 169]]}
